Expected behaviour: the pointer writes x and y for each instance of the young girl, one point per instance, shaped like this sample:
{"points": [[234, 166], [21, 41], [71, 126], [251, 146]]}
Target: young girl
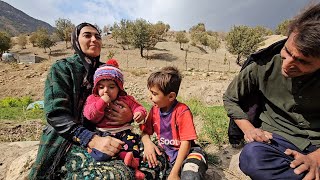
{"points": [[108, 88]]}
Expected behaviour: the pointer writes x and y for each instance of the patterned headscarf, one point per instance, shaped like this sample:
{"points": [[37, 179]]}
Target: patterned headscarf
{"points": [[90, 63]]}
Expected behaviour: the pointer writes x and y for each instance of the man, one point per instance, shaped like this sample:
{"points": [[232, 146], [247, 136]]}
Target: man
{"points": [[286, 146]]}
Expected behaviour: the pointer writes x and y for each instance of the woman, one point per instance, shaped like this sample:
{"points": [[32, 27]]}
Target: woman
{"points": [[62, 151]]}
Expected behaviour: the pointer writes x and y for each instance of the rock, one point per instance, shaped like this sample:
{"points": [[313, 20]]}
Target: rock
{"points": [[234, 166], [20, 167]]}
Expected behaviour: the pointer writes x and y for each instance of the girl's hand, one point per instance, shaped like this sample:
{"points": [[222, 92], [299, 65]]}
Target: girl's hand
{"points": [[106, 98], [138, 117]]}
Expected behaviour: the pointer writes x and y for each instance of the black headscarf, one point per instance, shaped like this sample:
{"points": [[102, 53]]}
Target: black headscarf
{"points": [[90, 63]]}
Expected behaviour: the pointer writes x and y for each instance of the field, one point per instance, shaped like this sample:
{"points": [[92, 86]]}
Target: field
{"points": [[206, 76]]}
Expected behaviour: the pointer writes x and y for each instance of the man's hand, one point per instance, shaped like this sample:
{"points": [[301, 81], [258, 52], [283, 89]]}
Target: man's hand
{"points": [[302, 163], [258, 135], [119, 113]]}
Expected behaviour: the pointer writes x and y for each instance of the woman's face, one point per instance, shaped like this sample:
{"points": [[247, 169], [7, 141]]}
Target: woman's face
{"points": [[90, 41]]}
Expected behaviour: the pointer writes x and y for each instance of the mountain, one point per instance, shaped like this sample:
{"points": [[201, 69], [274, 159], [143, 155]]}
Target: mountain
{"points": [[15, 22]]}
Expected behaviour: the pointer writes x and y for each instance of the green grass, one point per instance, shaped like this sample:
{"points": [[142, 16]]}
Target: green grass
{"points": [[215, 125], [15, 109]]}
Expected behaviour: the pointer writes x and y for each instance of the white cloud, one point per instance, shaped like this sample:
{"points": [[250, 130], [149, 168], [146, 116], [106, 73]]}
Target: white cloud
{"points": [[180, 14]]}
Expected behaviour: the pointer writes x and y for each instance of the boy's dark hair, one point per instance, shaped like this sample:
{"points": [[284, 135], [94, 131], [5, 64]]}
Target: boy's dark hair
{"points": [[167, 79], [307, 27]]}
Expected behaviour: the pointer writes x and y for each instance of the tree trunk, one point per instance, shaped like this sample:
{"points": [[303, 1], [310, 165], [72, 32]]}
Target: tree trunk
{"points": [[141, 51], [238, 60]]}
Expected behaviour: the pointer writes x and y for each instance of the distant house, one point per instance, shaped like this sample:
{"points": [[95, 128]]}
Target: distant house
{"points": [[29, 59]]}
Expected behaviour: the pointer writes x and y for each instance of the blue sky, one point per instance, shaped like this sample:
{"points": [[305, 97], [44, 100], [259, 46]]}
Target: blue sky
{"points": [[218, 15]]}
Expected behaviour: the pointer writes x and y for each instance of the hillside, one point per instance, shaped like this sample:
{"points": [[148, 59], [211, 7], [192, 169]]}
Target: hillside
{"points": [[15, 22]]}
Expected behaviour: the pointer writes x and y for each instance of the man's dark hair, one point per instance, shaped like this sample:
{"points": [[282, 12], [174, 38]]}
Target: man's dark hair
{"points": [[168, 80], [307, 27]]}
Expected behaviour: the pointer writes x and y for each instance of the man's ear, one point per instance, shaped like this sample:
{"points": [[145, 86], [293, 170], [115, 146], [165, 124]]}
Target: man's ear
{"points": [[172, 96]]}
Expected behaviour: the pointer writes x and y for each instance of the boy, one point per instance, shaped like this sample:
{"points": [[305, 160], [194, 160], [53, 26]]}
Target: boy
{"points": [[173, 123]]}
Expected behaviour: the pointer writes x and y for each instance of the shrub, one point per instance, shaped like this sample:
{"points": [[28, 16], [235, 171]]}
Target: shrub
{"points": [[15, 102]]}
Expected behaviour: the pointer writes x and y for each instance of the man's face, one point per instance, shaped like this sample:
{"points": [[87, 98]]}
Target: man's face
{"points": [[294, 63]]}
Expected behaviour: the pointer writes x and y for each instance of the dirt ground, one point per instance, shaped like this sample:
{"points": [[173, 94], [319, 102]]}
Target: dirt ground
{"points": [[206, 76]]}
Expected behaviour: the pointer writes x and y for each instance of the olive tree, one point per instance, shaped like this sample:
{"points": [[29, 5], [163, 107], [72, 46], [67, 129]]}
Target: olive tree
{"points": [[22, 41], [121, 32], [282, 28], [181, 38], [142, 35], [33, 39], [242, 41], [214, 42], [44, 40], [5, 42], [64, 30], [198, 34]]}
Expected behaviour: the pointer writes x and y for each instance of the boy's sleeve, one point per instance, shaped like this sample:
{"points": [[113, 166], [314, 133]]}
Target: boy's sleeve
{"points": [[147, 127], [185, 125]]}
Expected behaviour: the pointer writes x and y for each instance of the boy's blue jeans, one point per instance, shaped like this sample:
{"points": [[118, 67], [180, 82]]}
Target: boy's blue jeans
{"points": [[268, 161]]}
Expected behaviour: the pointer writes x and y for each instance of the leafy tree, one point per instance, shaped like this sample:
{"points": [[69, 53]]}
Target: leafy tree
{"points": [[64, 30], [200, 27], [198, 34], [43, 39], [203, 38], [181, 38], [22, 41], [140, 34], [33, 39], [154, 36], [264, 31], [242, 41], [282, 28], [167, 27], [5, 42], [122, 31], [160, 29], [214, 42]]}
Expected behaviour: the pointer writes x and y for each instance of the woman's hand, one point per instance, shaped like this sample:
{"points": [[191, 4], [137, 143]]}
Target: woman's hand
{"points": [[119, 113], [108, 145]]}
